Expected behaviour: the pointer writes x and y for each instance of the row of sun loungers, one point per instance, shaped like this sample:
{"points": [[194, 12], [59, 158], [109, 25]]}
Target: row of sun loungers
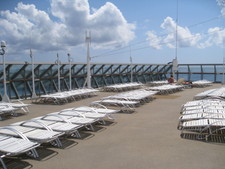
{"points": [[127, 101], [67, 96], [122, 87], [11, 108], [157, 83], [201, 83], [166, 89], [212, 93], [203, 118], [25, 136], [140, 95]]}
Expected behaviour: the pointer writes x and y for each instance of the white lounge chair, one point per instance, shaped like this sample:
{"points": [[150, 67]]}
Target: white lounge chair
{"points": [[11, 146], [18, 104], [38, 135], [99, 109], [204, 127], [7, 110], [88, 114], [124, 105], [64, 127], [87, 122]]}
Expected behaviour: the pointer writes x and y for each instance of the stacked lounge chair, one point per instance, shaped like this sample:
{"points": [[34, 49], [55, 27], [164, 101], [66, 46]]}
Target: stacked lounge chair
{"points": [[201, 83], [167, 89], [203, 118], [122, 87], [66, 97]]}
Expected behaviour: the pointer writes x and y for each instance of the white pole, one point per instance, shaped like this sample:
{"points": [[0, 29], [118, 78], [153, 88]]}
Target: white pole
{"points": [[223, 71], [33, 76], [223, 80], [175, 63], [131, 67], [70, 73], [58, 63], [5, 97], [88, 40]]}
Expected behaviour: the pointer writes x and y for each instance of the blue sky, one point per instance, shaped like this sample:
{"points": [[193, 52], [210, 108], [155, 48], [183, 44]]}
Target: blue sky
{"points": [[145, 30]]}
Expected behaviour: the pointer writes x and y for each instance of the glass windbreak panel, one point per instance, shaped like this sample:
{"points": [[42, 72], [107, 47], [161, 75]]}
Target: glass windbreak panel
{"points": [[108, 80], [65, 69], [123, 69], [96, 68], [107, 68], [208, 69], [1, 89], [100, 81], [220, 78], [117, 79], [139, 68], [161, 68], [183, 76], [220, 69], [209, 77], [22, 89], [80, 69], [183, 68], [115, 69], [80, 82], [196, 69], [195, 77], [154, 68], [14, 69], [46, 70], [125, 79]]}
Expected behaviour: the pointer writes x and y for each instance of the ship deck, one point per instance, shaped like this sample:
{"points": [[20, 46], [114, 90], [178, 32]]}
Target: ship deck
{"points": [[146, 139]]}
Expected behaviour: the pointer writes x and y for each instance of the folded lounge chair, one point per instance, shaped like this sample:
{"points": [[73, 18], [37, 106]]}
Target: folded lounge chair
{"points": [[204, 127], [18, 104], [6, 110]]}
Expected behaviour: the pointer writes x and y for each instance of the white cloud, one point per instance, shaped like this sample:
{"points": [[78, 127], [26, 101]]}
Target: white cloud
{"points": [[221, 3], [216, 36], [184, 37], [154, 40], [29, 27]]}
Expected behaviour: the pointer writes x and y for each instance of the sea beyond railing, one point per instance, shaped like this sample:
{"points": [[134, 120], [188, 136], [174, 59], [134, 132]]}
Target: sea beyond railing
{"points": [[19, 75]]}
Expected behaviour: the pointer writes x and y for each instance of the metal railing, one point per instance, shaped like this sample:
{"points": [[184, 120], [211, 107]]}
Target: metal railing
{"points": [[19, 75]]}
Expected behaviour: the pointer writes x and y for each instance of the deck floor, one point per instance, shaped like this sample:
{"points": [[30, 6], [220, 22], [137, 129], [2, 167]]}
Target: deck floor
{"points": [[147, 139]]}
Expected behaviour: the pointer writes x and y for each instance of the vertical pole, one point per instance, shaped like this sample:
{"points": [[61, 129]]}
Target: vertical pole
{"points": [[5, 97], [175, 69], [58, 63], [70, 73], [223, 79], [88, 40], [33, 76], [131, 67], [223, 70]]}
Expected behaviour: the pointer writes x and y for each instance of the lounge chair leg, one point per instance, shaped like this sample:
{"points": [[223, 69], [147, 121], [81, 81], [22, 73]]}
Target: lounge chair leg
{"points": [[33, 153], [56, 143], [90, 128], [78, 134], [3, 164]]}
